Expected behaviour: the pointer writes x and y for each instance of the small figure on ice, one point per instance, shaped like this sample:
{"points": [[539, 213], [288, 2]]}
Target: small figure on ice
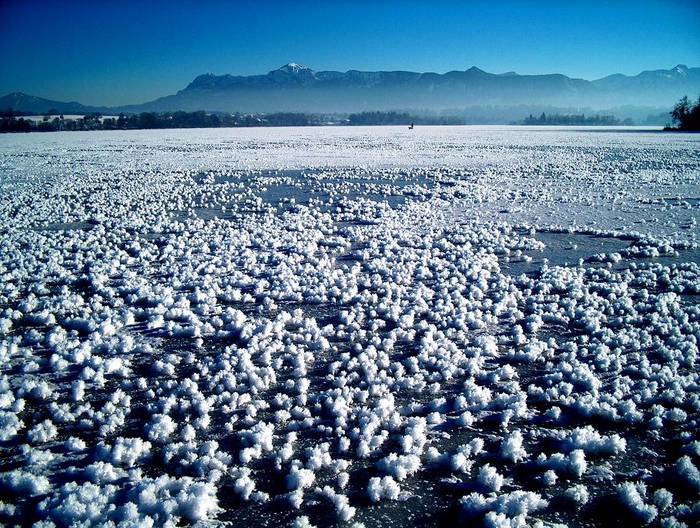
{"points": [[411, 127]]}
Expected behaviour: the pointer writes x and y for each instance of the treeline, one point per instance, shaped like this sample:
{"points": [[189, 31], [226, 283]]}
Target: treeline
{"points": [[49, 124], [10, 122], [686, 115], [400, 118], [201, 119], [574, 119]]}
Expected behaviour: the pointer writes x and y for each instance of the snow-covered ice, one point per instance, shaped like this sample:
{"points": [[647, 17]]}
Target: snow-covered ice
{"points": [[370, 326]]}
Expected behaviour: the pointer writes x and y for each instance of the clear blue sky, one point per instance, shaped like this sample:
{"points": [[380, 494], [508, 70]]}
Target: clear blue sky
{"points": [[118, 52]]}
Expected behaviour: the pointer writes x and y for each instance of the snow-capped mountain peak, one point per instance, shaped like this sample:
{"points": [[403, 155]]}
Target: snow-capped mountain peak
{"points": [[293, 67], [681, 69]]}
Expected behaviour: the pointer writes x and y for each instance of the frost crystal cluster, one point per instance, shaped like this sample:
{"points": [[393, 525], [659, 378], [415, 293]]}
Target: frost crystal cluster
{"points": [[321, 326]]}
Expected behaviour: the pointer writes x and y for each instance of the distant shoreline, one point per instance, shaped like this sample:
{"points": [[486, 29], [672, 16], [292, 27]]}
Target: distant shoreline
{"points": [[493, 126], [15, 121]]}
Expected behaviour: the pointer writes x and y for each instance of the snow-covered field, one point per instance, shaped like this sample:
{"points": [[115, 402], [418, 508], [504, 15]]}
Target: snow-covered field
{"points": [[350, 325]]}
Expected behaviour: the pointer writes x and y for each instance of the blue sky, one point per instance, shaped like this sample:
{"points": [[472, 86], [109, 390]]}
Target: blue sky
{"points": [[118, 52]]}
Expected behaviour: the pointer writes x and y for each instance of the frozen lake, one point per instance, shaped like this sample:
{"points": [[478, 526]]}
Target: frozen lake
{"points": [[476, 325]]}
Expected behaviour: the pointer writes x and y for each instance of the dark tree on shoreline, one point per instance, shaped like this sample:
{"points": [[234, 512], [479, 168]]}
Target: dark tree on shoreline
{"points": [[686, 115]]}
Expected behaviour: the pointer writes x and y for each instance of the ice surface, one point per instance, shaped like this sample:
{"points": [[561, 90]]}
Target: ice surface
{"points": [[319, 326]]}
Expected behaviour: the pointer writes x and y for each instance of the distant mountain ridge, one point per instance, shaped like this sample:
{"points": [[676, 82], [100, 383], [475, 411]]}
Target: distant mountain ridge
{"points": [[30, 104], [296, 88]]}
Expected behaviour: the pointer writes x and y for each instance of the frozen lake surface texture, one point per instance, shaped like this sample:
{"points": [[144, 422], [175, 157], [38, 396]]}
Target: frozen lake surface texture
{"points": [[350, 326]]}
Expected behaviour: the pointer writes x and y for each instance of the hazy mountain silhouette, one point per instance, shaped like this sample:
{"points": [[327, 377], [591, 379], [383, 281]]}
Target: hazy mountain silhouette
{"points": [[297, 88], [30, 104]]}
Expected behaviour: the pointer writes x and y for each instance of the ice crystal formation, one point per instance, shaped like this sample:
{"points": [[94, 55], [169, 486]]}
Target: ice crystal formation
{"points": [[295, 327]]}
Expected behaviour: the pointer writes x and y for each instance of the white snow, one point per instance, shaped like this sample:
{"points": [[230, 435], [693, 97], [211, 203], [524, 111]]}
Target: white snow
{"points": [[512, 447], [383, 488], [633, 496], [490, 478], [23, 482]]}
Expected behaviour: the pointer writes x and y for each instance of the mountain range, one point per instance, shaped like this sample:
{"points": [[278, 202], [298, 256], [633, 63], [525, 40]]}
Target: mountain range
{"points": [[295, 88], [31, 104]]}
